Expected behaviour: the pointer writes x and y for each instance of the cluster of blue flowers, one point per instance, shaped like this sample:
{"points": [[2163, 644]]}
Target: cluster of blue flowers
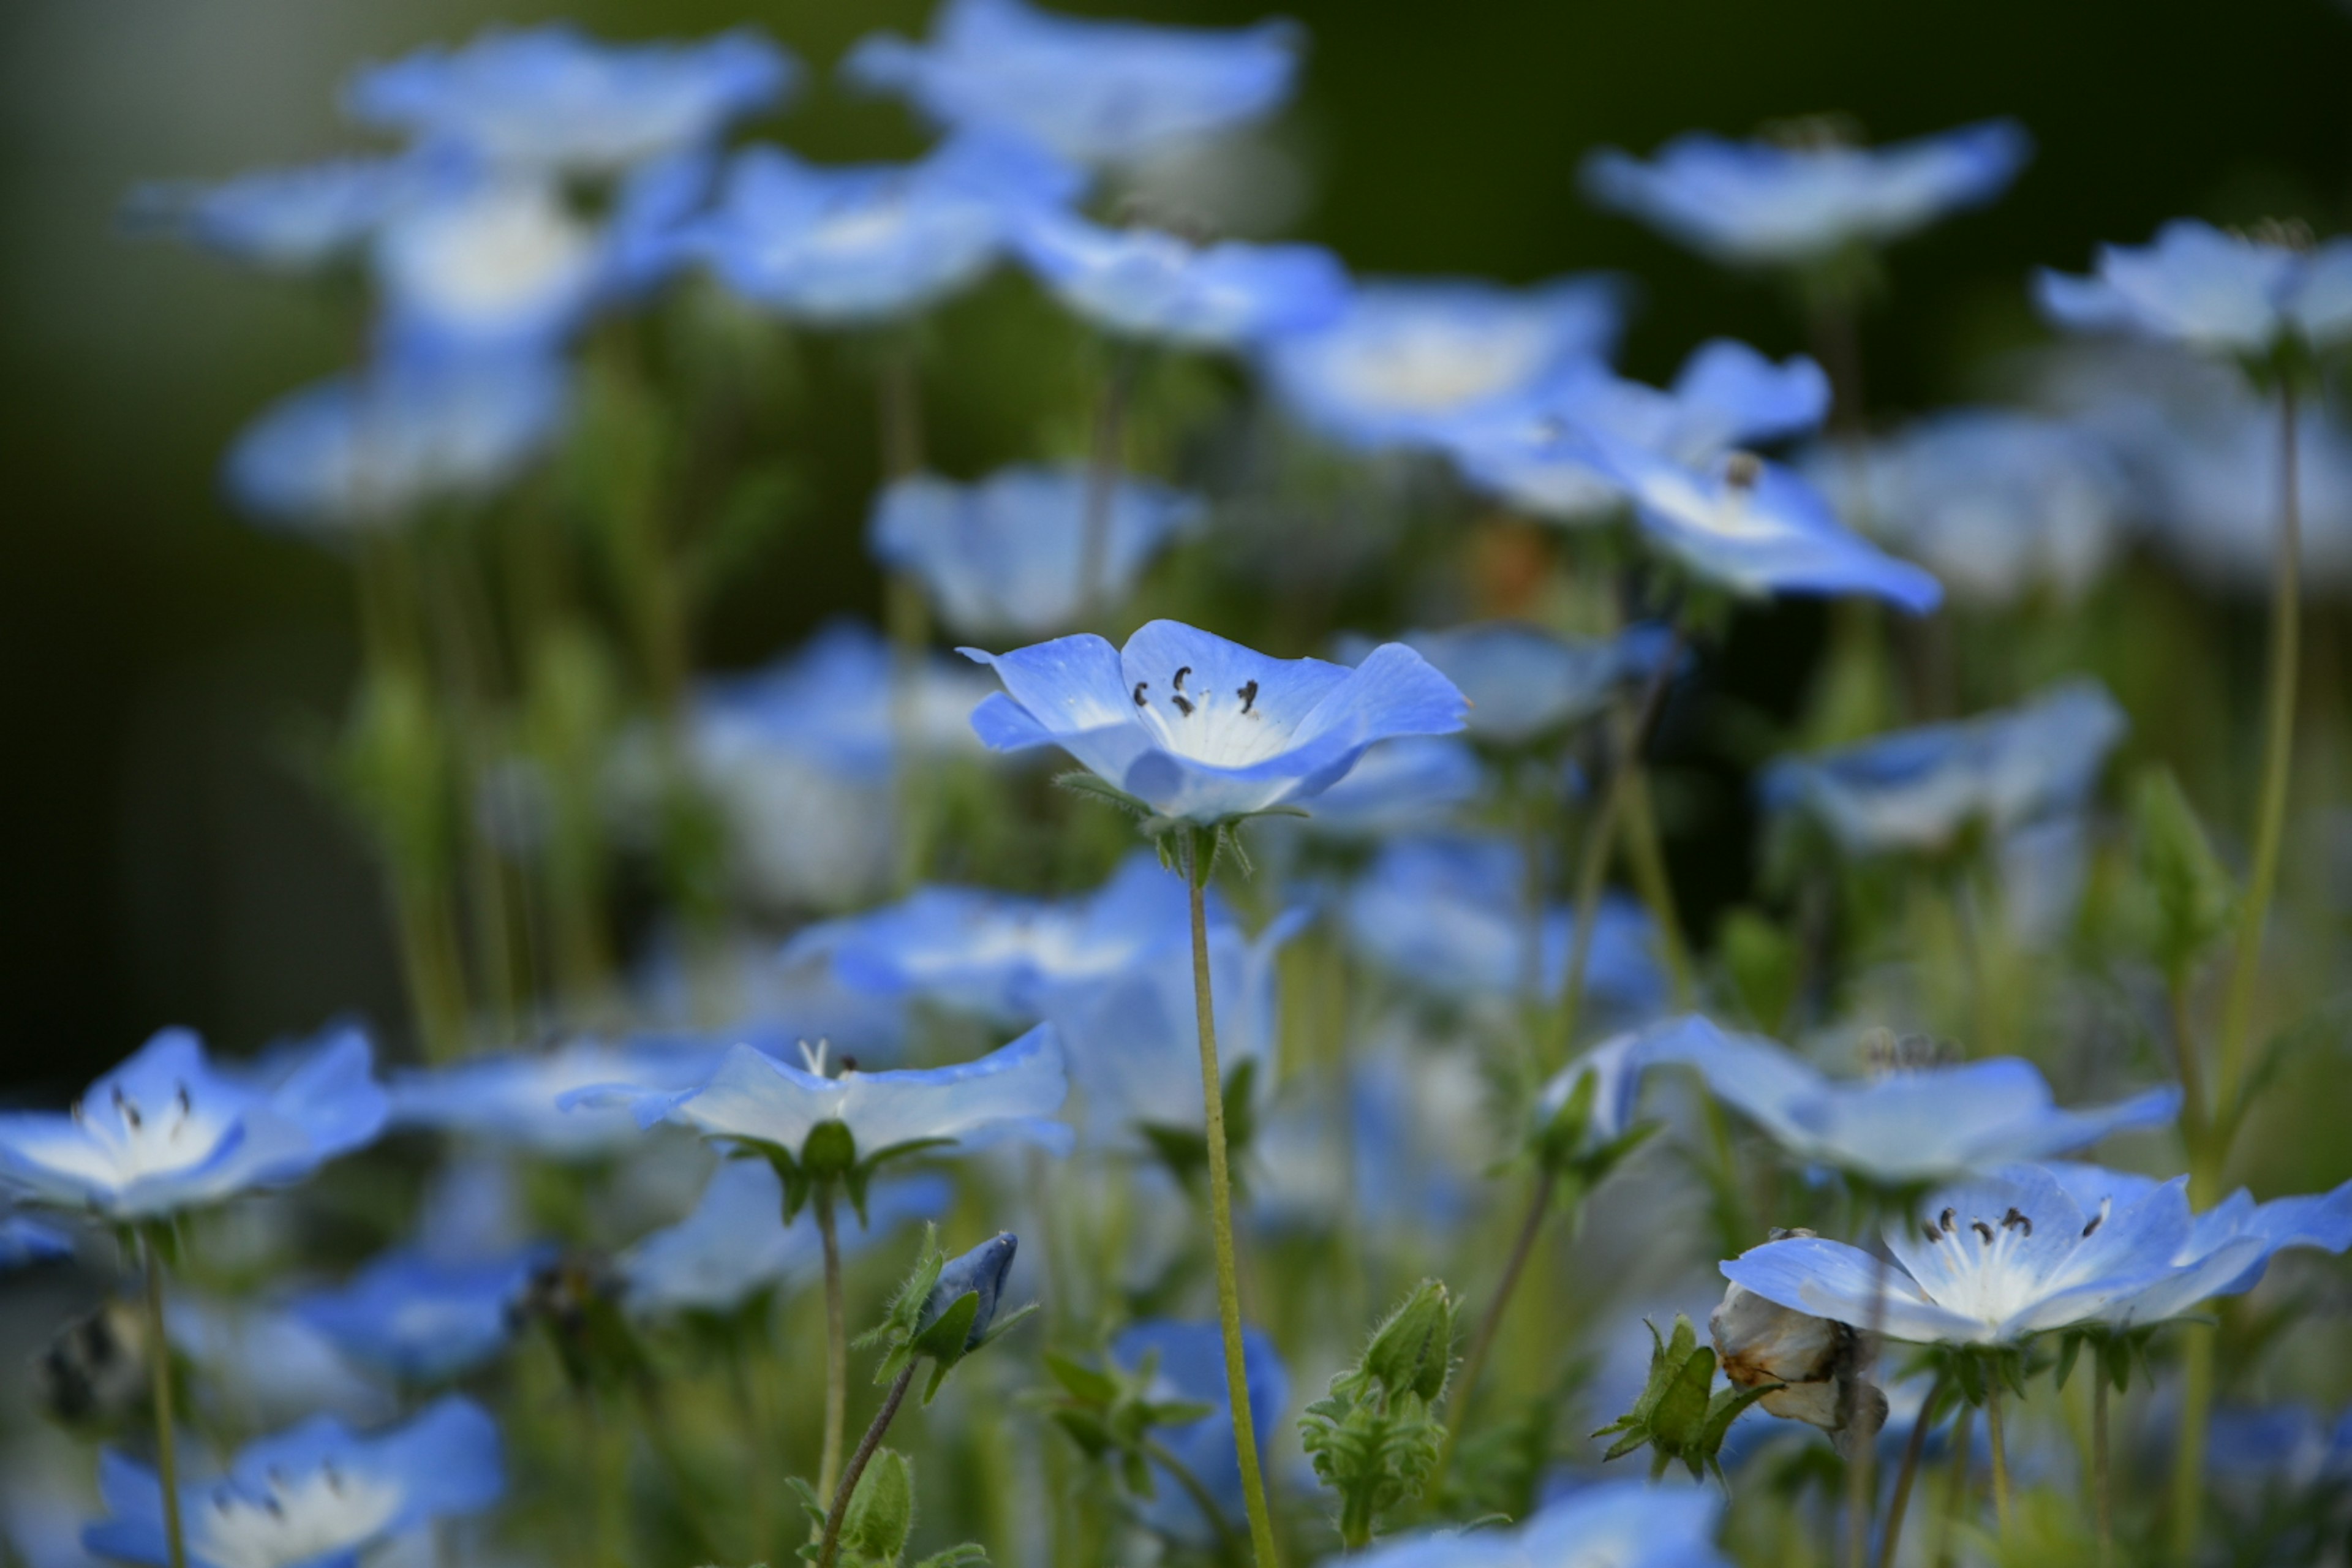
{"points": [[1401, 930]]}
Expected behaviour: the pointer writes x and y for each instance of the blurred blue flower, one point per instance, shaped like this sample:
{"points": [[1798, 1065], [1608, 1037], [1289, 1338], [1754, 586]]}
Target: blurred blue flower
{"points": [[311, 1497], [1153, 286], [1525, 684], [1615, 1066], [1097, 92], [420, 1316], [1767, 204], [2289, 1445], [167, 1131], [25, 1241], [979, 1272], [1006, 555], [1189, 1367], [1410, 782], [736, 1244], [1916, 1125], [873, 241], [1917, 791], [1396, 1149], [755, 1099], [1611, 1524], [376, 447], [553, 100], [1998, 504], [2217, 291], [1248, 733], [1409, 360], [2228, 1247], [1448, 912], [292, 220], [482, 265], [516, 1099], [256, 1363]]}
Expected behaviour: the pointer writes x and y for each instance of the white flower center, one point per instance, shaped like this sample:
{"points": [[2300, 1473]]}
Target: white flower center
{"points": [[127, 1140], [1223, 729], [293, 1521], [1427, 368], [494, 253]]}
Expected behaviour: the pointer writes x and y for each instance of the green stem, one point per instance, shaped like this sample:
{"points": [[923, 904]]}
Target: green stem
{"points": [[1229, 1545], [1200, 849], [167, 1437], [829, 1545], [2189, 1448], [1490, 1324], [1646, 855], [836, 1344], [2102, 1500], [1861, 1434], [2000, 1453], [1900, 1504], [1102, 473], [1956, 1496]]}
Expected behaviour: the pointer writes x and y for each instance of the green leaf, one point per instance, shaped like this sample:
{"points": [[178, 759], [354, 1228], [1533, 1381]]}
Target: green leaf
{"points": [[944, 1340], [2195, 899], [1082, 1381], [1624, 1446], [881, 1512], [971, 1552]]}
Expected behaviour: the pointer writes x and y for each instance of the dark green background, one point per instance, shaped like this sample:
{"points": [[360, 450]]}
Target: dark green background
{"points": [[162, 861]]}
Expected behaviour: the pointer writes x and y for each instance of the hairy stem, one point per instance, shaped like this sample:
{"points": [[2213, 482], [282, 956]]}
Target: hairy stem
{"points": [[829, 1544], [1900, 1504], [167, 1437], [836, 1344]]}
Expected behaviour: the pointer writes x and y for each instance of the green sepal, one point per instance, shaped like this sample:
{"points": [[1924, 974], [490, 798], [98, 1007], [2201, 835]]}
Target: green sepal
{"points": [[943, 1341], [2069, 1347], [968, 1554], [810, 1504], [1077, 780], [1083, 1381], [855, 1180]]}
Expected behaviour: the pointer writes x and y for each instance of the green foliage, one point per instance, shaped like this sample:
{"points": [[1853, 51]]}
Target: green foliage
{"points": [[1561, 1147], [1110, 1414], [1498, 1470], [1676, 1417], [1185, 1150], [2195, 900], [1373, 1439], [879, 1520], [1762, 961]]}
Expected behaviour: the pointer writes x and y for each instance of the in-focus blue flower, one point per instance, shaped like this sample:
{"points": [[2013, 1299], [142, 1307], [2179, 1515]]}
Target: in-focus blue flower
{"points": [[371, 449], [1917, 791], [25, 1241], [552, 99], [1009, 554], [420, 1316], [1202, 729], [1997, 503], [979, 1272], [1449, 913], [1918, 1125], [1409, 360], [1097, 92], [866, 243], [167, 1131], [736, 1244], [1524, 684], [1155, 287], [1189, 1367], [1767, 204], [293, 220], [755, 1099], [2228, 1247], [1611, 1524], [1726, 395], [516, 1099], [2212, 291], [485, 265], [1397, 785], [311, 1497]]}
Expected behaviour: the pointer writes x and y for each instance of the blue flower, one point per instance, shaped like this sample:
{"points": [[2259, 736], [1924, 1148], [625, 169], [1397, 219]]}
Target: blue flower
{"points": [[2219, 292], [1407, 361], [294, 220], [1917, 791], [1153, 286], [979, 1272], [167, 1131], [1616, 1066], [1764, 203], [487, 264], [1524, 684], [1918, 1125], [421, 1316], [1611, 1524], [25, 1241], [2228, 1247], [1201, 728], [1397, 785], [1397, 1148], [1094, 91], [517, 1099], [316, 1496], [263, 1364], [1448, 912], [1727, 395], [756, 1101], [1006, 555], [552, 99], [1189, 1367], [736, 1244], [1997, 504], [372, 449], [868, 242]]}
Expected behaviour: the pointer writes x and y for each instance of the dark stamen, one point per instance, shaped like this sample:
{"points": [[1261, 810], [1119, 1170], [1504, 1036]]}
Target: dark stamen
{"points": [[1248, 694], [2016, 1216], [848, 1064], [185, 1105], [1182, 706], [1933, 1234], [1948, 1219], [1981, 1229], [123, 1108], [2095, 1222], [1181, 674], [1139, 691]]}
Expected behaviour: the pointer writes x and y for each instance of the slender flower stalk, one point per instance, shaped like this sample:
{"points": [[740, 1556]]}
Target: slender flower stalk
{"points": [[1900, 1504], [167, 1443], [836, 1346], [2101, 1500], [1103, 468], [1200, 847], [1999, 1455], [829, 1544], [1956, 1495]]}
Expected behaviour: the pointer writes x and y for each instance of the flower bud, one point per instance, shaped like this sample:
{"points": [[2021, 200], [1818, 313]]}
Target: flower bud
{"points": [[1412, 1351], [1761, 1342], [978, 1272]]}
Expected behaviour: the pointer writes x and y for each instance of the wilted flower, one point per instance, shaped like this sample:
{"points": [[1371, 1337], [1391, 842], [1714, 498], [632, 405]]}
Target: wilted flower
{"points": [[167, 1131], [1009, 554], [314, 1494], [1774, 204], [517, 1099], [1759, 1341], [2224, 293], [1201, 728], [1156, 287], [1525, 684], [552, 100], [1188, 1364], [1611, 1524], [1096, 92]]}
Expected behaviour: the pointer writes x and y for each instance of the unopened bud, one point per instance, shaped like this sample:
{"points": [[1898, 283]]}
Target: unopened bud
{"points": [[979, 1272], [1412, 1351]]}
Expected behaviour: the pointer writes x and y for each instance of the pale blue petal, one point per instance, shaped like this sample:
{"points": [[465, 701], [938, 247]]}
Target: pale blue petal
{"points": [[1830, 1280]]}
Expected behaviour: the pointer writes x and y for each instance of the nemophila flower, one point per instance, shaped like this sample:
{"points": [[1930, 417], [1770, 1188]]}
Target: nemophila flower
{"points": [[516, 1099], [1395, 1148], [1448, 914], [1408, 360], [168, 1130], [1096, 92], [1726, 395], [1769, 204], [1009, 554], [1203, 730], [1189, 1367], [375, 448], [25, 1241], [553, 100], [1917, 791], [1918, 1125], [1524, 684], [261, 1361], [2289, 1445], [870, 242], [486, 264], [1157, 287], [1616, 1066], [421, 1316], [736, 1244], [1997, 503], [315, 1495], [2228, 1247], [292, 220], [2218, 291], [1611, 1524], [1397, 785]]}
